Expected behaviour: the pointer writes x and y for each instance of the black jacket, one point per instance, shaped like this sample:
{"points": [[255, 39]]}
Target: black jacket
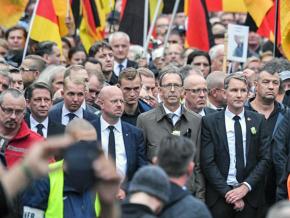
{"points": [[130, 210]]}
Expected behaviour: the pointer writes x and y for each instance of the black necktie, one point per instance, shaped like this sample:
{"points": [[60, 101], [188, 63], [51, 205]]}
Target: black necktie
{"points": [[39, 128], [71, 116], [170, 117], [111, 144], [240, 164]]}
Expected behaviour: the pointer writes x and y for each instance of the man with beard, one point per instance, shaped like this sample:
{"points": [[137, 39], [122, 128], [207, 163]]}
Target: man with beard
{"points": [[267, 87], [15, 136]]}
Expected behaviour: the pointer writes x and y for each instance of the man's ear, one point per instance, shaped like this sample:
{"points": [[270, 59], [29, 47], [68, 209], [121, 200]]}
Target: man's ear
{"points": [[62, 92], [190, 168], [155, 160]]}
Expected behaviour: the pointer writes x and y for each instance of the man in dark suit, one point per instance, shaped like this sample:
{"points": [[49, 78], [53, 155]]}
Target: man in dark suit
{"points": [[234, 155], [39, 102], [120, 43], [73, 96], [122, 141], [195, 95]]}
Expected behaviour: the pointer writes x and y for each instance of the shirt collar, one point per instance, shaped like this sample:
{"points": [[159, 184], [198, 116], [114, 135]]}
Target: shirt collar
{"points": [[177, 112], [124, 63], [33, 122], [105, 124], [231, 115], [78, 112]]}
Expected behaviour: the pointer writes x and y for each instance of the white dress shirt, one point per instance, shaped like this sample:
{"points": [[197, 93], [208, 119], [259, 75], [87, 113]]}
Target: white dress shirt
{"points": [[34, 123], [230, 130], [65, 112], [177, 113], [117, 68], [121, 157], [202, 113]]}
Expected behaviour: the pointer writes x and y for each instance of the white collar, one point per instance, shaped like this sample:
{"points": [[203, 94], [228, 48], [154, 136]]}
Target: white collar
{"points": [[34, 122], [231, 115], [105, 124], [124, 63], [177, 112], [78, 112]]}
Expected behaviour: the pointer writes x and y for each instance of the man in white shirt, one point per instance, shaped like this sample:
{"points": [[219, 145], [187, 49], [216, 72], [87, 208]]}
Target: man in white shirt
{"points": [[235, 155], [39, 101], [120, 140]]}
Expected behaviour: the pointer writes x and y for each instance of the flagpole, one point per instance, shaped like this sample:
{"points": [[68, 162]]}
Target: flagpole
{"points": [[276, 28], [30, 29], [171, 23], [152, 27], [113, 14], [145, 22]]}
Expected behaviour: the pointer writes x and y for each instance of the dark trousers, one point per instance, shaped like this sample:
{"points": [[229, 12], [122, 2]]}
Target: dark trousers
{"points": [[221, 209]]}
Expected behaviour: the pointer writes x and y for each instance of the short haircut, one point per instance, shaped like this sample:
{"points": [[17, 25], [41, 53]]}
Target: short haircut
{"points": [[146, 72], [213, 52], [250, 60], [279, 210], [11, 29], [36, 85], [95, 48], [100, 76], [45, 47], [174, 154], [5, 73], [236, 76], [78, 125], [276, 65], [39, 63], [74, 50], [93, 61], [72, 69], [118, 35], [187, 68], [196, 53], [76, 81], [215, 80], [170, 69], [14, 92], [129, 73]]}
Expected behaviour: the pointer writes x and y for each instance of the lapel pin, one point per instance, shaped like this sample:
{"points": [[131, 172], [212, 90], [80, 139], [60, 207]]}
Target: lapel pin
{"points": [[248, 119]]}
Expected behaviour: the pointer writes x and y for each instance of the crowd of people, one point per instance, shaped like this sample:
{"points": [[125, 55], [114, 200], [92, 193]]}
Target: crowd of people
{"points": [[111, 132]]}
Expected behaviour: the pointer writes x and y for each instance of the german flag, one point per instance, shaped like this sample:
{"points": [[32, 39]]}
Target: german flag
{"points": [[93, 22], [285, 26], [12, 11], [45, 24], [198, 34], [226, 5]]}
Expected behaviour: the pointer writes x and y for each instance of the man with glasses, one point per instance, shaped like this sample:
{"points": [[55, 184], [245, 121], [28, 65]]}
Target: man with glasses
{"points": [[30, 69], [130, 84], [170, 117], [195, 96], [15, 136]]}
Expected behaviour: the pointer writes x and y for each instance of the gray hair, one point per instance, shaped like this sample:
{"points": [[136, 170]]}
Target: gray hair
{"points": [[236, 76], [279, 210], [14, 92], [213, 52], [169, 69], [118, 35], [215, 80]]}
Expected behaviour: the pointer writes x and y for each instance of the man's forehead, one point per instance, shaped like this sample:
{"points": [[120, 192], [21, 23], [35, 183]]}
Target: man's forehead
{"points": [[104, 51], [10, 100]]}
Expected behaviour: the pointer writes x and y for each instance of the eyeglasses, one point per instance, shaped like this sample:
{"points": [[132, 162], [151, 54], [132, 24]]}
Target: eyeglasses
{"points": [[197, 91], [170, 85], [26, 69], [10, 111]]}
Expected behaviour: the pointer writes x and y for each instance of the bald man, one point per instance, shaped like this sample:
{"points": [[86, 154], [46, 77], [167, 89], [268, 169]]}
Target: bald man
{"points": [[195, 94], [122, 141]]}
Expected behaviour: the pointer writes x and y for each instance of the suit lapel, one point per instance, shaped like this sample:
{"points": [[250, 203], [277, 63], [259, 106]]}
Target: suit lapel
{"points": [[249, 125], [221, 129], [99, 130], [127, 143]]}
